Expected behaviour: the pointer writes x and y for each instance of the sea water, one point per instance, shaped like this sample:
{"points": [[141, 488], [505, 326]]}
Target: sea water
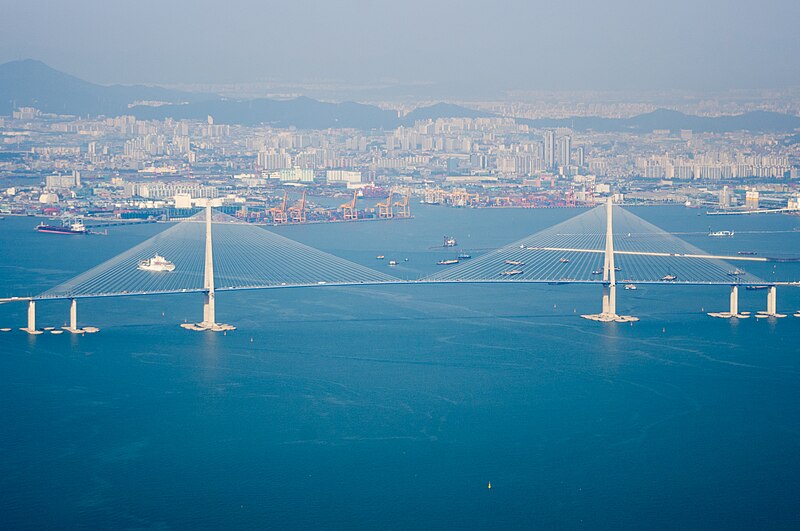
{"points": [[396, 406]]}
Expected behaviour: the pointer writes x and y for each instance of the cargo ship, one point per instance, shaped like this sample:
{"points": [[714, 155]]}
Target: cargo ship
{"points": [[721, 233], [72, 228], [514, 262], [511, 272]]}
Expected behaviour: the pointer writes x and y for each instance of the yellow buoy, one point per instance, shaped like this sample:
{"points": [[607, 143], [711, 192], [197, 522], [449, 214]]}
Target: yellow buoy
{"points": [[490, 485]]}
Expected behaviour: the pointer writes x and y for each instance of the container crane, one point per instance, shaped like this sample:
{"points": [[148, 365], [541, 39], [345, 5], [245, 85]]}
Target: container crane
{"points": [[297, 213], [404, 210], [349, 211], [279, 214], [385, 209]]}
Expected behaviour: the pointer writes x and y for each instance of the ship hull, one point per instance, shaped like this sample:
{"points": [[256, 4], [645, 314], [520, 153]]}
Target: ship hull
{"points": [[59, 230]]}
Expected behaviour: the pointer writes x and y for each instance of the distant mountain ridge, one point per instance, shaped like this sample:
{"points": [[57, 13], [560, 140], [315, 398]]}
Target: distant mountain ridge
{"points": [[30, 83], [755, 121]]}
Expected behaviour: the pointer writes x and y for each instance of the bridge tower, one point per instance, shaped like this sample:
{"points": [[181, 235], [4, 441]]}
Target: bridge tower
{"points": [[610, 276], [209, 308]]}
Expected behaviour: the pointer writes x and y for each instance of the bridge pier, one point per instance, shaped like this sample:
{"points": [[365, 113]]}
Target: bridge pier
{"points": [[610, 299], [733, 310], [772, 304], [31, 328]]}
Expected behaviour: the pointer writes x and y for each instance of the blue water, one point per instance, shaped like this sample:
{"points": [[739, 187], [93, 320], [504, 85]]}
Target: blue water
{"points": [[394, 407]]}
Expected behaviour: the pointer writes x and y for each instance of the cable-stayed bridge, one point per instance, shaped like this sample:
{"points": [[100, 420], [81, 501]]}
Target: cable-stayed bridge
{"points": [[606, 245]]}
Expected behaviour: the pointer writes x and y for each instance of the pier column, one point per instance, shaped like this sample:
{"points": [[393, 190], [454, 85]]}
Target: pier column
{"points": [[610, 299], [31, 328], [734, 300], [31, 316], [209, 313], [73, 315], [772, 300]]}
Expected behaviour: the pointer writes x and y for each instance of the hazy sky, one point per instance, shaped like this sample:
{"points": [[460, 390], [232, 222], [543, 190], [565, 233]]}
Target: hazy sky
{"points": [[580, 44]]}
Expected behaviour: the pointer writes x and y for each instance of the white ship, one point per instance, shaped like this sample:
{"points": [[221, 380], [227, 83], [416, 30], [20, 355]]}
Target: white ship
{"points": [[157, 263]]}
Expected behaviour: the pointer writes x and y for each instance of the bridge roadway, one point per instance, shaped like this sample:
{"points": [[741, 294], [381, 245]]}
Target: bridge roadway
{"points": [[388, 283]]}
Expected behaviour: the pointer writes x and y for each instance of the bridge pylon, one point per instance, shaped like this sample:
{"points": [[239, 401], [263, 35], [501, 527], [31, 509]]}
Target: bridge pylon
{"points": [[609, 313], [209, 309]]}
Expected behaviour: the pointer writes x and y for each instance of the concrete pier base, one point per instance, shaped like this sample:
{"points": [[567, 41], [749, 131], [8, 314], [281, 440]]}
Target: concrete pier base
{"points": [[31, 328], [610, 318]]}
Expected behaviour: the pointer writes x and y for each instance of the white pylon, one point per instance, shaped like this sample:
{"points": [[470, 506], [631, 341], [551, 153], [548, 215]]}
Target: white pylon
{"points": [[610, 276], [209, 309]]}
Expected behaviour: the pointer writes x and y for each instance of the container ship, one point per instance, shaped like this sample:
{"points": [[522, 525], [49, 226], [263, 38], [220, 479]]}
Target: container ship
{"points": [[73, 228]]}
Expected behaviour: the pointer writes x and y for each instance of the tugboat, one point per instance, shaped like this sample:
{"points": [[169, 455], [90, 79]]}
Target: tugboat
{"points": [[73, 228], [157, 263]]}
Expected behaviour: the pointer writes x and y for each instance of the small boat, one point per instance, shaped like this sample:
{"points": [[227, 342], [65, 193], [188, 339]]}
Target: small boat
{"points": [[464, 256], [446, 262], [380, 257], [630, 286], [747, 253], [392, 262], [514, 262], [511, 272], [157, 263], [449, 241], [736, 272], [756, 287], [721, 233], [597, 272], [669, 277], [563, 260]]}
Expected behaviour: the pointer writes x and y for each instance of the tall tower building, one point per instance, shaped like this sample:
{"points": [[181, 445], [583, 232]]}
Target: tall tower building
{"points": [[549, 148], [564, 150]]}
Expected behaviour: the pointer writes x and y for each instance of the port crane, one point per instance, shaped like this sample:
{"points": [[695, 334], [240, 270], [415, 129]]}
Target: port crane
{"points": [[385, 209], [279, 214], [404, 209], [349, 211], [297, 213]]}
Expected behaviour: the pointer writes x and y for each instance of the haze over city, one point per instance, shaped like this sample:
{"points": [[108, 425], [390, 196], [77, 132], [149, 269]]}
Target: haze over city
{"points": [[486, 46]]}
